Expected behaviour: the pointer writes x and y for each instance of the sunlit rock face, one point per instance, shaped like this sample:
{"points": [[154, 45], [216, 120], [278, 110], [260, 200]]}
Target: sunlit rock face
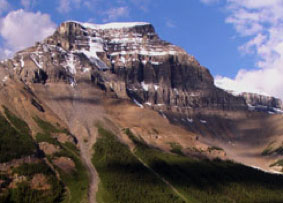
{"points": [[127, 58]]}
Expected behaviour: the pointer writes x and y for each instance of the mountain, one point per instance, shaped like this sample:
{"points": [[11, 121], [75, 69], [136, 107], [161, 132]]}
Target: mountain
{"points": [[136, 63], [116, 105]]}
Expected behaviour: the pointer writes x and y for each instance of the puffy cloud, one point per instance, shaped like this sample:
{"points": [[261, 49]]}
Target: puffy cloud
{"points": [[262, 81], [261, 23], [116, 13], [20, 29]]}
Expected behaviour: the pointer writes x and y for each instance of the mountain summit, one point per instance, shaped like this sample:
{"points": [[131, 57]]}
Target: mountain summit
{"points": [[127, 58]]}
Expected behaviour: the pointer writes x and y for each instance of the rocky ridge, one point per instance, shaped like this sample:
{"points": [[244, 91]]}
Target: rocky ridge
{"points": [[127, 58], [263, 103]]}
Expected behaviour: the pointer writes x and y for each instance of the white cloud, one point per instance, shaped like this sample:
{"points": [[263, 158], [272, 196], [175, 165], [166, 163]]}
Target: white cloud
{"points": [[20, 29], [4, 6], [261, 23], [115, 13]]}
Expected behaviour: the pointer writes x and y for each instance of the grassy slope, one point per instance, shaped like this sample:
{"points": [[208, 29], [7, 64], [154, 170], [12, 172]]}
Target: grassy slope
{"points": [[123, 177], [278, 163], [211, 181], [15, 138], [25, 194], [77, 182], [272, 149], [16, 142]]}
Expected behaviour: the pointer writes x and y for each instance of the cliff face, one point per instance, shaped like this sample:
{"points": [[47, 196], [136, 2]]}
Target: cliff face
{"points": [[127, 58], [263, 103]]}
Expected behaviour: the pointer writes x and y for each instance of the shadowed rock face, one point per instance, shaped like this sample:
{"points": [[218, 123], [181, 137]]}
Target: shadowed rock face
{"points": [[129, 59]]}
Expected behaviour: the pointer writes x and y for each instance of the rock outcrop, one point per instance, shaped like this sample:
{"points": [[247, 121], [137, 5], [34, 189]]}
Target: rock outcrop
{"points": [[127, 58], [263, 103]]}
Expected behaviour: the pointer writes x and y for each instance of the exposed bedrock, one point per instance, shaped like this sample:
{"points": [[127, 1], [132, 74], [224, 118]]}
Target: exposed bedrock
{"points": [[127, 58]]}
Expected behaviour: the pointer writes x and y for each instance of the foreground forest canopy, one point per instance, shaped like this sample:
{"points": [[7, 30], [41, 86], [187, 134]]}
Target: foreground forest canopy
{"points": [[164, 177]]}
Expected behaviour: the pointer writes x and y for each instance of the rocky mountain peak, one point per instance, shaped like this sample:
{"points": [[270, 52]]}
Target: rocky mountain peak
{"points": [[76, 32], [127, 58]]}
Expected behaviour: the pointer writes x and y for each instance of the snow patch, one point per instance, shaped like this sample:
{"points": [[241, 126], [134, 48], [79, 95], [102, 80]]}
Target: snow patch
{"points": [[123, 60], [278, 111], [137, 103], [73, 82], [96, 44], [114, 25], [176, 91], [5, 79], [86, 70], [156, 87], [148, 103], [144, 53], [172, 52], [163, 115], [267, 109], [190, 120], [22, 62], [126, 41], [265, 171], [156, 63], [144, 62], [37, 63], [144, 86], [71, 64], [251, 107], [45, 48]]}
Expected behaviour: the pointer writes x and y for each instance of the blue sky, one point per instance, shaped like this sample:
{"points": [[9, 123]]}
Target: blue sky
{"points": [[233, 38]]}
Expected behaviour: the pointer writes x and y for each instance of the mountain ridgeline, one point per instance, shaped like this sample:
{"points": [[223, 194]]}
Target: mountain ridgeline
{"points": [[130, 60]]}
